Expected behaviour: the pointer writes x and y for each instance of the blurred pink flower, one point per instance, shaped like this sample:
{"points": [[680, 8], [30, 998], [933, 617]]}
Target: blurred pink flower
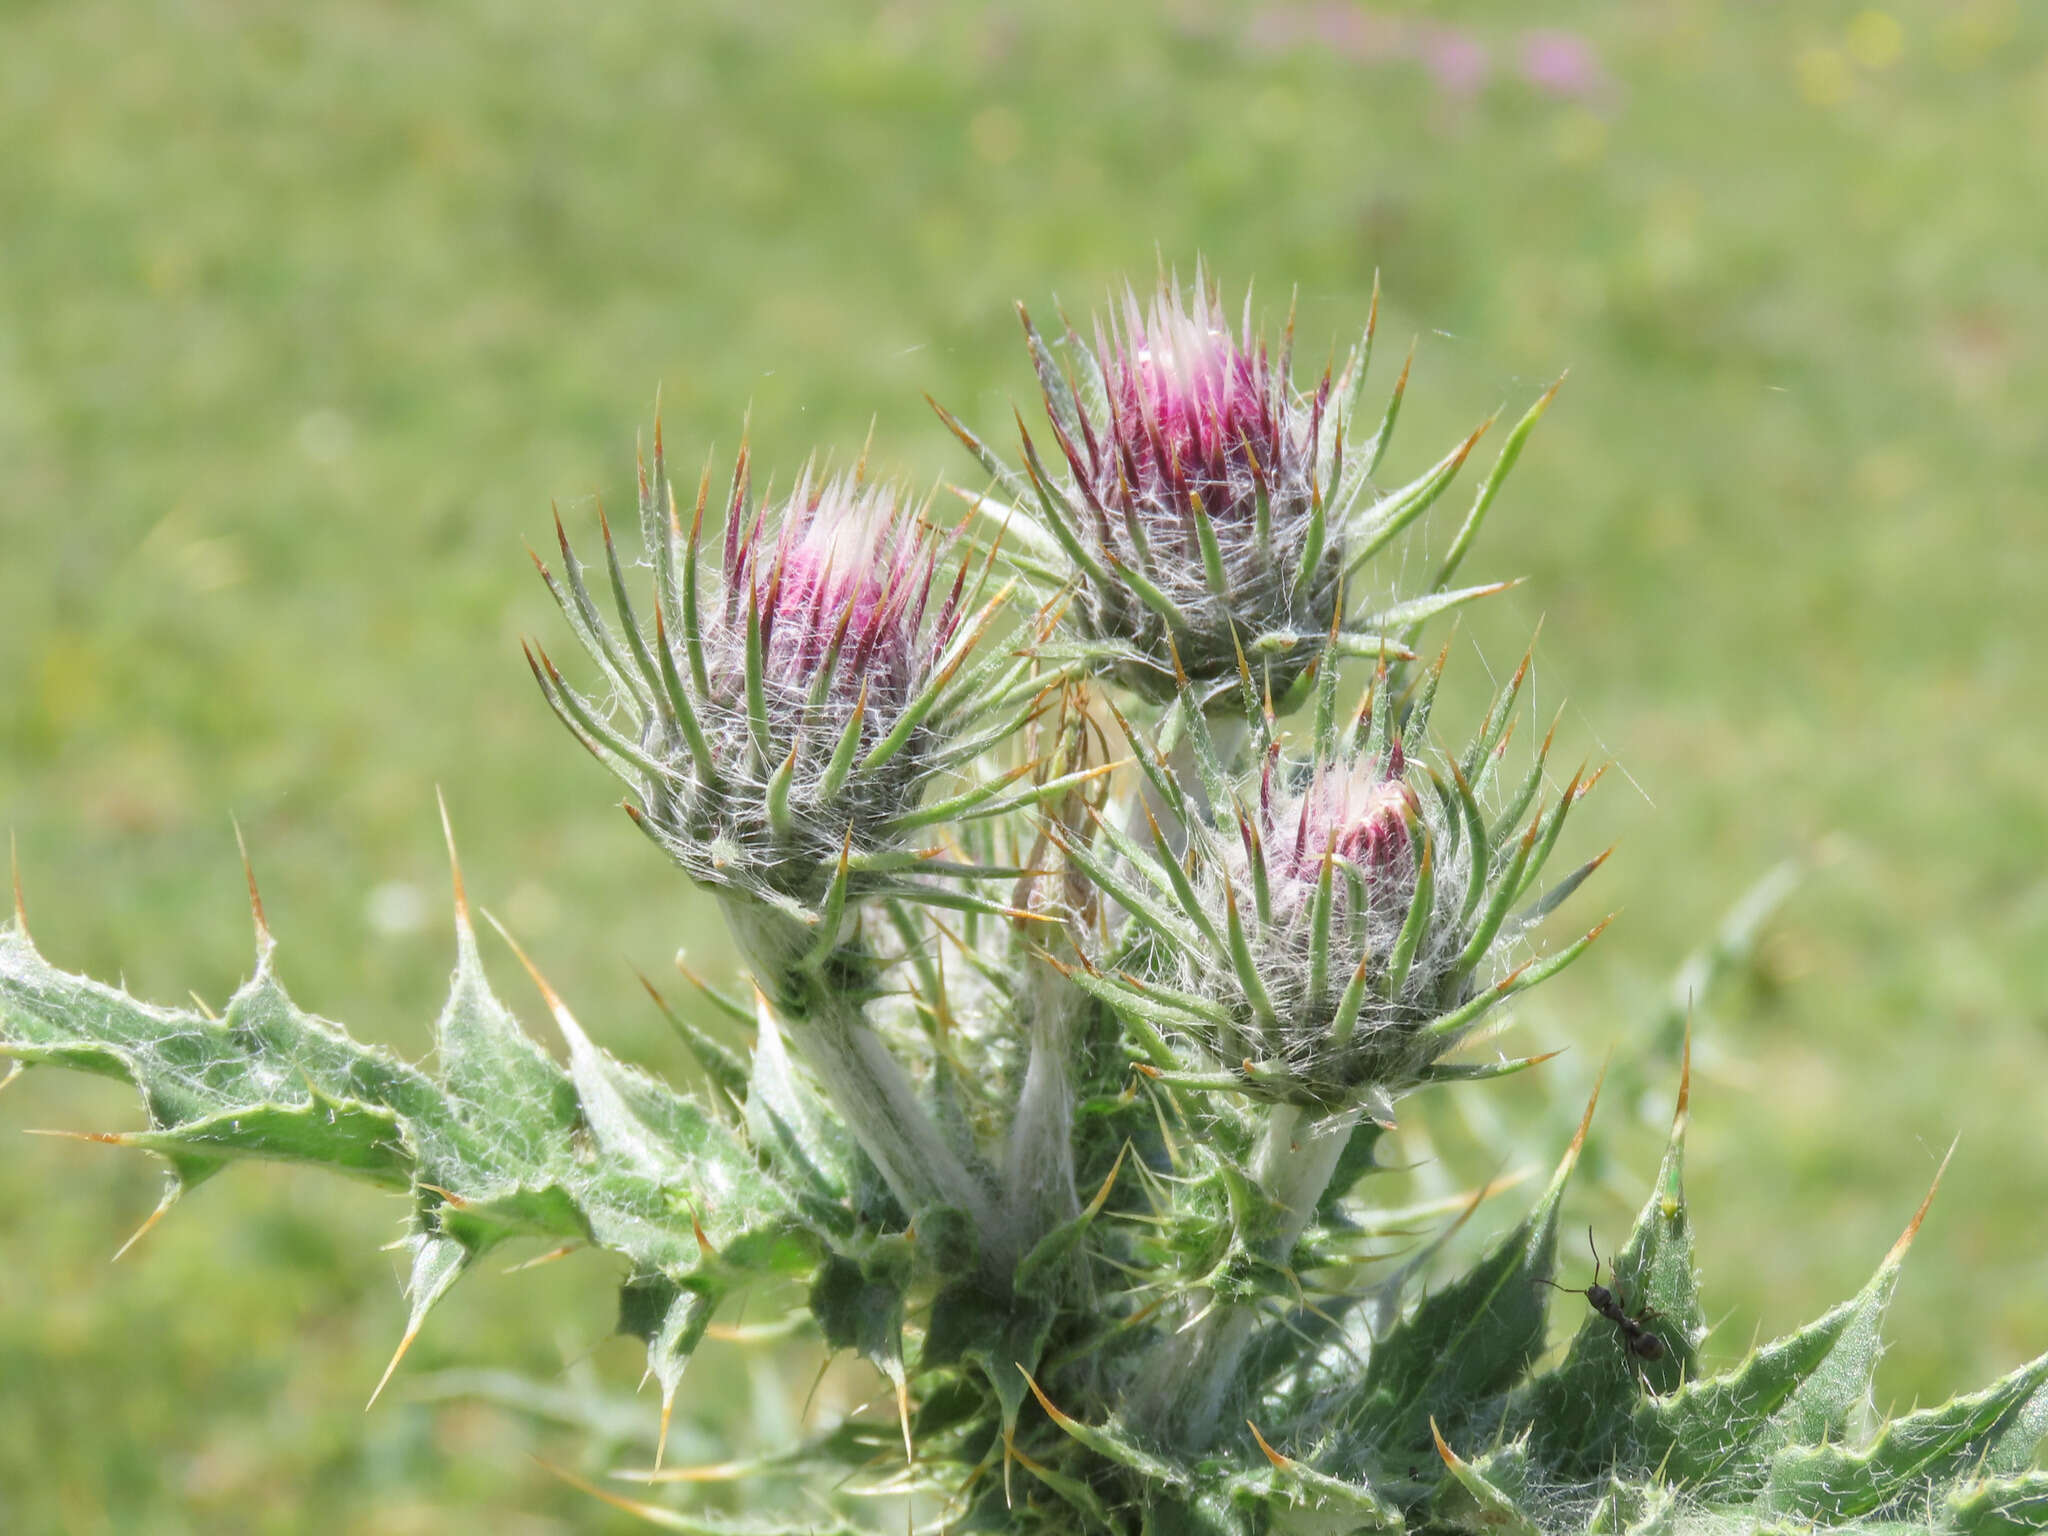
{"points": [[1561, 64], [1458, 59]]}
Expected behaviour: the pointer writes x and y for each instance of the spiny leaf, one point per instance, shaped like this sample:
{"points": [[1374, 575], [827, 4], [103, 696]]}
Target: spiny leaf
{"points": [[437, 1263], [495, 1073], [1986, 1432], [671, 1318], [2010, 1506], [1491, 1508], [1717, 1435], [1002, 1337], [1469, 1340], [1109, 1442], [489, 1148], [1635, 1509], [1575, 1412], [860, 1307], [1312, 1496]]}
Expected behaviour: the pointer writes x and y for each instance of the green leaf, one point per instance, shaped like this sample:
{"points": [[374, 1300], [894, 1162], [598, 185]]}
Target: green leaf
{"points": [[1475, 1501], [860, 1307], [1002, 1337], [1634, 1509], [1307, 1499], [2012, 1506], [1072, 1489], [1111, 1443], [1575, 1412], [349, 1137], [1717, 1435], [671, 1318], [502, 1143], [1828, 1484], [1469, 1341]]}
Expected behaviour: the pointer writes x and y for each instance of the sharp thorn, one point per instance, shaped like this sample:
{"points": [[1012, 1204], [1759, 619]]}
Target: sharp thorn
{"points": [[397, 1355], [903, 1417], [454, 863], [103, 1138], [144, 1230], [546, 1258], [652, 1513], [1913, 1227], [1571, 1156], [1282, 1463], [1678, 1117], [1450, 1457], [264, 942], [547, 992], [668, 1408]]}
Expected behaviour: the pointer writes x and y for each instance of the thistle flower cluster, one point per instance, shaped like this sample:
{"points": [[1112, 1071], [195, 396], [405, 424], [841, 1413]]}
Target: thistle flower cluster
{"points": [[1066, 1075], [1204, 509]]}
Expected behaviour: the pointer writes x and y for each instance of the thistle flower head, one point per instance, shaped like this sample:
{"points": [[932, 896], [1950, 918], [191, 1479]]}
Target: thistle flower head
{"points": [[1358, 813], [1195, 411], [1202, 507], [835, 590], [1330, 861], [1331, 926], [783, 729]]}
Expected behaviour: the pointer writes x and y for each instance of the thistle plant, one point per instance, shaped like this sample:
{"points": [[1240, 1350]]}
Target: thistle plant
{"points": [[1096, 945]]}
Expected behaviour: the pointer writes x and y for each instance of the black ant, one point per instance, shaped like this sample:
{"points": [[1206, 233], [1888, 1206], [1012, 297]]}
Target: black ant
{"points": [[1641, 1343]]}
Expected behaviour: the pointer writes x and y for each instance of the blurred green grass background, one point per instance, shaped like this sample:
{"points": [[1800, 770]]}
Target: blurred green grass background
{"points": [[308, 310]]}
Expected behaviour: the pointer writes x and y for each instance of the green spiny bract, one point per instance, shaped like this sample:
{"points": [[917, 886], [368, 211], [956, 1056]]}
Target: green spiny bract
{"points": [[1206, 508], [1080, 1147]]}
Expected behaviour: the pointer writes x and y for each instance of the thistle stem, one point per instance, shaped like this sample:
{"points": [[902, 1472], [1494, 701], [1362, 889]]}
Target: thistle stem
{"points": [[875, 1097], [1184, 1389], [865, 1082], [1040, 1170]]}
